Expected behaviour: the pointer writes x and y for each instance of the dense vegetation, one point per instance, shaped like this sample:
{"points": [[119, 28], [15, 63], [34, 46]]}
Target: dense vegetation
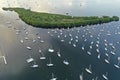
{"points": [[47, 20]]}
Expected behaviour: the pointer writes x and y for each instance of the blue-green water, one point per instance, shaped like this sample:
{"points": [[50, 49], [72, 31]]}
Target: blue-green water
{"points": [[104, 39]]}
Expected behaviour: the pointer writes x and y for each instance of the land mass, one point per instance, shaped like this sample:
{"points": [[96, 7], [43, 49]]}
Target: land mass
{"points": [[47, 20]]}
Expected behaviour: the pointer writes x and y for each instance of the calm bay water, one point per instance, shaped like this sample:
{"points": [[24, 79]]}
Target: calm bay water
{"points": [[73, 44]]}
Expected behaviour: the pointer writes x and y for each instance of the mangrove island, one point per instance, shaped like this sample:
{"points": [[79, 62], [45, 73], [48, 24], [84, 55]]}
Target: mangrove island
{"points": [[47, 20]]}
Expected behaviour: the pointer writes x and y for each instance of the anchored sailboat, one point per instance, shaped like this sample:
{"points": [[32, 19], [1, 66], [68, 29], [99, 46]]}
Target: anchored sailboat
{"points": [[81, 76], [50, 64], [66, 62], [89, 69], [53, 77], [105, 76]]}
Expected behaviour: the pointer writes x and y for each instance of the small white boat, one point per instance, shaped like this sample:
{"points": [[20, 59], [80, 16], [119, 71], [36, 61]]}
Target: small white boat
{"points": [[50, 63], [58, 36], [97, 45], [62, 40], [51, 50], [117, 65], [76, 37], [90, 47], [71, 39], [88, 70], [53, 77], [105, 76], [113, 47], [30, 60], [38, 37], [106, 44], [83, 48], [29, 48], [26, 32], [106, 54], [85, 40], [81, 76], [5, 61], [58, 53], [69, 42], [99, 56], [42, 57], [74, 45], [76, 40], [39, 50], [88, 52], [35, 65], [34, 41], [97, 50], [66, 62], [21, 41], [113, 53], [107, 61], [42, 41], [26, 38], [105, 49], [118, 58]]}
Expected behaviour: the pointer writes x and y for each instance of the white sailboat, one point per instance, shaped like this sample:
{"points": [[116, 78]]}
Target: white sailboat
{"points": [[88, 52], [113, 53], [105, 76], [38, 37], [42, 41], [33, 40], [30, 60], [117, 65], [50, 64], [62, 40], [53, 77], [5, 61], [51, 50], [35, 65], [21, 41], [97, 50], [83, 48], [99, 56], [58, 53], [90, 46], [26, 38], [81, 76], [65, 62], [74, 45], [42, 56], [29, 48], [107, 61], [88, 70]]}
